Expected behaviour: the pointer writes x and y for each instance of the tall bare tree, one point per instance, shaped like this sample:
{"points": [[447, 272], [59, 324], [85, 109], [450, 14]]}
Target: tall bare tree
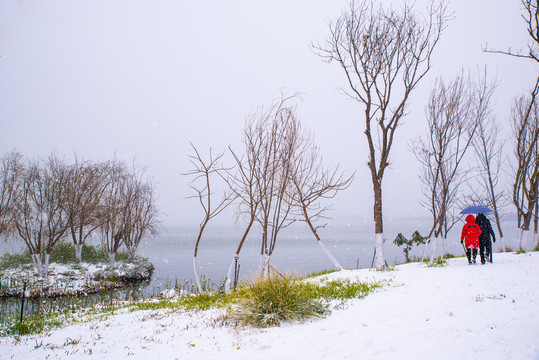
{"points": [[384, 54], [203, 173], [454, 112], [523, 191]]}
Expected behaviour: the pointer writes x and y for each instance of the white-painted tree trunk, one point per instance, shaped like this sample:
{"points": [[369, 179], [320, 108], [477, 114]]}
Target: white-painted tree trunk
{"points": [[36, 258], [230, 275], [132, 251], [380, 258], [444, 246], [197, 278], [46, 264], [78, 252], [433, 254], [263, 268], [425, 248], [522, 238], [502, 242], [331, 257], [112, 259]]}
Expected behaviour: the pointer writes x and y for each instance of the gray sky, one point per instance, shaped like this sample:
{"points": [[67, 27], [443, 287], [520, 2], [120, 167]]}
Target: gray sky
{"points": [[143, 78]]}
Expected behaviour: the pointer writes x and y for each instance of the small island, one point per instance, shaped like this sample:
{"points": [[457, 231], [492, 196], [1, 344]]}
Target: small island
{"points": [[67, 277]]}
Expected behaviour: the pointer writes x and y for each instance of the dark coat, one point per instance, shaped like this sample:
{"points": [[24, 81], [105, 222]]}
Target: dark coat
{"points": [[486, 229]]}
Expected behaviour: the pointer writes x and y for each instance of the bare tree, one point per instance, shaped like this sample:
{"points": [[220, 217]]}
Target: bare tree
{"points": [[523, 191], [55, 179], [203, 171], [525, 116], [111, 209], [454, 112], [141, 215], [84, 191], [243, 182], [11, 170], [39, 218], [313, 183], [29, 219], [278, 129], [384, 54]]}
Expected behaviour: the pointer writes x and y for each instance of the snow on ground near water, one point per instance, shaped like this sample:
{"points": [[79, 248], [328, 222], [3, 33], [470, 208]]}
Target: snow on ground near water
{"points": [[452, 312]]}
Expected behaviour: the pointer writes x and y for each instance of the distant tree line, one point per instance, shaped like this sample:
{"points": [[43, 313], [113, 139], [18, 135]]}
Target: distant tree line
{"points": [[44, 201]]}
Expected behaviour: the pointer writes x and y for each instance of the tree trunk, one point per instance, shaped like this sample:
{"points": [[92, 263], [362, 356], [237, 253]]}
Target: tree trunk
{"points": [[433, 254], [231, 273], [36, 258], [444, 246], [78, 252], [380, 260], [112, 259], [330, 256], [197, 278], [132, 252], [46, 264], [264, 266], [502, 242]]}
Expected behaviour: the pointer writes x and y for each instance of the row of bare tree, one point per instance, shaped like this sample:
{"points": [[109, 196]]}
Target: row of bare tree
{"points": [[45, 201], [278, 178], [459, 119], [384, 53]]}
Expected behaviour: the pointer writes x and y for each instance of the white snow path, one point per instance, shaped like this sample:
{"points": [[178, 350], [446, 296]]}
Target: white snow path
{"points": [[452, 312]]}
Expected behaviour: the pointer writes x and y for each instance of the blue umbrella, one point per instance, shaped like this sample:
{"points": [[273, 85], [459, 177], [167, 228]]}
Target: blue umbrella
{"points": [[476, 209]]}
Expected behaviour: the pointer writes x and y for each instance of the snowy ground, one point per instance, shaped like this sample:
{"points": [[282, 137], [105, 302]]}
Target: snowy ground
{"points": [[453, 312]]}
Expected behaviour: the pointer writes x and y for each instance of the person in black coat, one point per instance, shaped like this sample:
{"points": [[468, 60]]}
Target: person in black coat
{"points": [[485, 246]]}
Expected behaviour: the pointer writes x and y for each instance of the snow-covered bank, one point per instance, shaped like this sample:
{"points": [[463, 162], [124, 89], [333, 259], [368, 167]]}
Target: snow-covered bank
{"points": [[452, 312]]}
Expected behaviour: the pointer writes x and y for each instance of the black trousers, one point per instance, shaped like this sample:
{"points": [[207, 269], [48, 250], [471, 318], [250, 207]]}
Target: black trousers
{"points": [[485, 249], [471, 254]]}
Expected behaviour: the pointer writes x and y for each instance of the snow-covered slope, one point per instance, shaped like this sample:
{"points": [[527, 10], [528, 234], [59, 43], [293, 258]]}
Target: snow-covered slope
{"points": [[452, 312]]}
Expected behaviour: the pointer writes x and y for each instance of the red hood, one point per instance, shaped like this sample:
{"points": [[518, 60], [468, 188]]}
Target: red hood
{"points": [[470, 219]]}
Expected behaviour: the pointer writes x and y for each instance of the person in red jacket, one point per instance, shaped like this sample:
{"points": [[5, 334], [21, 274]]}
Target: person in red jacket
{"points": [[470, 238]]}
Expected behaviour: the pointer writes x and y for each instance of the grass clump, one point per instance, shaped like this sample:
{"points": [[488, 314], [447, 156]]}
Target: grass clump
{"points": [[271, 301]]}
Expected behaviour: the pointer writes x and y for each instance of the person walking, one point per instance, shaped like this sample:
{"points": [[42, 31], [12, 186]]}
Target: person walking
{"points": [[470, 238], [485, 246]]}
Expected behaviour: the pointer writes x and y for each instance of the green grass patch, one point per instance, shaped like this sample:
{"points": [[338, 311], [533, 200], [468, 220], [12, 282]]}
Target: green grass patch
{"points": [[437, 262], [258, 303]]}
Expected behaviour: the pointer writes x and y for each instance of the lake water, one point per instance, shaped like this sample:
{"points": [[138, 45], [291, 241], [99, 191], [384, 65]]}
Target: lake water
{"points": [[297, 251]]}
